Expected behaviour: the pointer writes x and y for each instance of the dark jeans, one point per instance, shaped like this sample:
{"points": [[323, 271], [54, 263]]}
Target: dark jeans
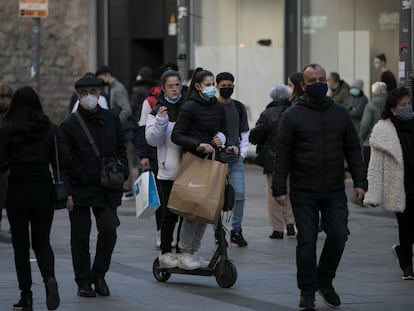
{"points": [[80, 224], [406, 237], [334, 212], [169, 219], [31, 204]]}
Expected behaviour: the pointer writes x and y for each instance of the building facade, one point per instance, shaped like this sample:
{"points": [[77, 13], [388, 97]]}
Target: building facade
{"points": [[260, 41]]}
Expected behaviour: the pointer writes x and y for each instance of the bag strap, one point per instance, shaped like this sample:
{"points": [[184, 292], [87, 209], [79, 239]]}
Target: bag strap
{"points": [[88, 134], [57, 158]]}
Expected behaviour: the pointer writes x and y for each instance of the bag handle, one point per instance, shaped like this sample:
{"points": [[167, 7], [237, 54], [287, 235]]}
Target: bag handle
{"points": [[57, 158], [88, 134]]}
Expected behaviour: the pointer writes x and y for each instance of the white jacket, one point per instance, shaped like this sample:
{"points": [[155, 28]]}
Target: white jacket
{"points": [[158, 134], [386, 169]]}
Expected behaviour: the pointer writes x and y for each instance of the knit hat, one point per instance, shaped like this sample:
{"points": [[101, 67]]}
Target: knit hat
{"points": [[145, 73], [279, 92], [87, 80], [358, 83]]}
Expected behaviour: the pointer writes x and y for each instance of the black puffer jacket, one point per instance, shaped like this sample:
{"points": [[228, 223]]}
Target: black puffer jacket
{"points": [[198, 122], [313, 141], [265, 130]]}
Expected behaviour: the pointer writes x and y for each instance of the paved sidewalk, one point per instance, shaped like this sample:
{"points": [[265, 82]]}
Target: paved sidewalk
{"points": [[368, 277]]}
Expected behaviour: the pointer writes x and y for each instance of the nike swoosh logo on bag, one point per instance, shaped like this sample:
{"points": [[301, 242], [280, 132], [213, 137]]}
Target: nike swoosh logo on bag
{"points": [[191, 185]]}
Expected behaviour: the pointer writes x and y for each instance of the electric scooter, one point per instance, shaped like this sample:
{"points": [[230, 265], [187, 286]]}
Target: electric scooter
{"points": [[220, 265]]}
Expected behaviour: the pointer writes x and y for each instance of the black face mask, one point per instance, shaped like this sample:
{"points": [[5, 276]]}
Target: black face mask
{"points": [[104, 83], [226, 92]]}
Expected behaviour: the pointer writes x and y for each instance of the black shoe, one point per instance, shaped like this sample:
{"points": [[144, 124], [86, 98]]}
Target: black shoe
{"points": [[408, 273], [290, 228], [276, 235], [329, 296], [52, 294], [101, 288], [25, 303], [237, 239], [307, 301], [85, 290]]}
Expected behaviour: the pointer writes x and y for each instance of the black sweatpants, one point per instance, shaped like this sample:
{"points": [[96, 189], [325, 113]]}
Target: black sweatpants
{"points": [[80, 224], [31, 204]]}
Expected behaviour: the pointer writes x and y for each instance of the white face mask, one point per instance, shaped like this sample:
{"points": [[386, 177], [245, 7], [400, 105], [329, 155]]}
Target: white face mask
{"points": [[89, 102]]}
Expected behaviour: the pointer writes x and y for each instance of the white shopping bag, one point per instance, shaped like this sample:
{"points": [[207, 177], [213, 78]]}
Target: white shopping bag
{"points": [[146, 195]]}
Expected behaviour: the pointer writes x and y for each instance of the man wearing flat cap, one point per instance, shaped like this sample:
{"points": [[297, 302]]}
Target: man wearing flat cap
{"points": [[87, 191]]}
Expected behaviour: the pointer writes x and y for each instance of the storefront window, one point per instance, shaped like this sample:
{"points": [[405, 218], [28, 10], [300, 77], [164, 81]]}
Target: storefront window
{"points": [[244, 37], [346, 35]]}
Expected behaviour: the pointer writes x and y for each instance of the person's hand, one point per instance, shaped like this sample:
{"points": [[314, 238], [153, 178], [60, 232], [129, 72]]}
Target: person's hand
{"points": [[234, 149], [69, 203], [162, 111], [281, 199], [358, 197], [205, 148], [145, 164], [217, 141]]}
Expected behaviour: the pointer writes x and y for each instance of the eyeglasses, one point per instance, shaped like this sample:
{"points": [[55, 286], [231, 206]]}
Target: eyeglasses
{"points": [[93, 92]]}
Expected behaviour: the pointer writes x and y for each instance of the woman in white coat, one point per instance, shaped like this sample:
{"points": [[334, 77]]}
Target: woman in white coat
{"points": [[391, 171], [159, 126]]}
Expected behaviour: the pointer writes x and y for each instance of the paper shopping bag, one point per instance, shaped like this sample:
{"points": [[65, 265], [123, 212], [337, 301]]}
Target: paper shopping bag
{"points": [[198, 190], [146, 195]]}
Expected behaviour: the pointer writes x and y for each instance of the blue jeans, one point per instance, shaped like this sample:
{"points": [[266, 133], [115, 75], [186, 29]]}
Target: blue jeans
{"points": [[236, 179], [334, 212]]}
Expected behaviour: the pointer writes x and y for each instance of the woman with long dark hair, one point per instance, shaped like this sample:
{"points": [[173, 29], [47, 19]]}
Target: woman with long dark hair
{"points": [[200, 127], [27, 147], [391, 171]]}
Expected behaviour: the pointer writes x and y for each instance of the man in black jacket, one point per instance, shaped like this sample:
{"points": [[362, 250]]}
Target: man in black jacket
{"points": [[87, 192], [314, 138]]}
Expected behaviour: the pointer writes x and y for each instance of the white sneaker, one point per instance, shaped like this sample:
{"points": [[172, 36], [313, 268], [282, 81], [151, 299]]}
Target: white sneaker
{"points": [[187, 261], [158, 239], [203, 262], [168, 260]]}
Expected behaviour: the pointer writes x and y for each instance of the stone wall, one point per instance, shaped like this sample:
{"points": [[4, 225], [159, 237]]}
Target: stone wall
{"points": [[64, 51]]}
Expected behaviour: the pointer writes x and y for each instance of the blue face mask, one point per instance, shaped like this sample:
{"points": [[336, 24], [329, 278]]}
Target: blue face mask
{"points": [[355, 92], [172, 101], [404, 113], [317, 90], [209, 91]]}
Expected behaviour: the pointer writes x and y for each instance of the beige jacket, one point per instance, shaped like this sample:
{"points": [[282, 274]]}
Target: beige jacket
{"points": [[386, 169]]}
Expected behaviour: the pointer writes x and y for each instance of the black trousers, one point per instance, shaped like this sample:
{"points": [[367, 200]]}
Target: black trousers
{"points": [[169, 219], [80, 224], [31, 204], [406, 237]]}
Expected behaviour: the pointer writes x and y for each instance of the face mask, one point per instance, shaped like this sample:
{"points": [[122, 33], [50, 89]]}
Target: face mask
{"points": [[89, 102], [209, 91], [355, 92], [226, 92], [404, 113], [172, 101], [316, 90]]}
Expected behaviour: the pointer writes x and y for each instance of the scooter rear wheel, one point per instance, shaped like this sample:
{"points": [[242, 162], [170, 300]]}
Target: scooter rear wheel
{"points": [[228, 277], [159, 274]]}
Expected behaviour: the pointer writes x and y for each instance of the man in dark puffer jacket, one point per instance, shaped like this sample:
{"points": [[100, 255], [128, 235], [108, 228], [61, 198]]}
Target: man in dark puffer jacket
{"points": [[315, 136]]}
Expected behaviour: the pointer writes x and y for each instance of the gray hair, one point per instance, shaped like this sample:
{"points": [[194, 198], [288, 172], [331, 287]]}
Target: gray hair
{"points": [[379, 88], [279, 92]]}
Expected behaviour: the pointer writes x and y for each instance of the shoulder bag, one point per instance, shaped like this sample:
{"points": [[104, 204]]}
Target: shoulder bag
{"points": [[112, 169]]}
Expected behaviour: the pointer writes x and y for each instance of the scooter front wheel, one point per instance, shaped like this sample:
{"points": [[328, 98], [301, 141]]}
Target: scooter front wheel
{"points": [[226, 276], [159, 274]]}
